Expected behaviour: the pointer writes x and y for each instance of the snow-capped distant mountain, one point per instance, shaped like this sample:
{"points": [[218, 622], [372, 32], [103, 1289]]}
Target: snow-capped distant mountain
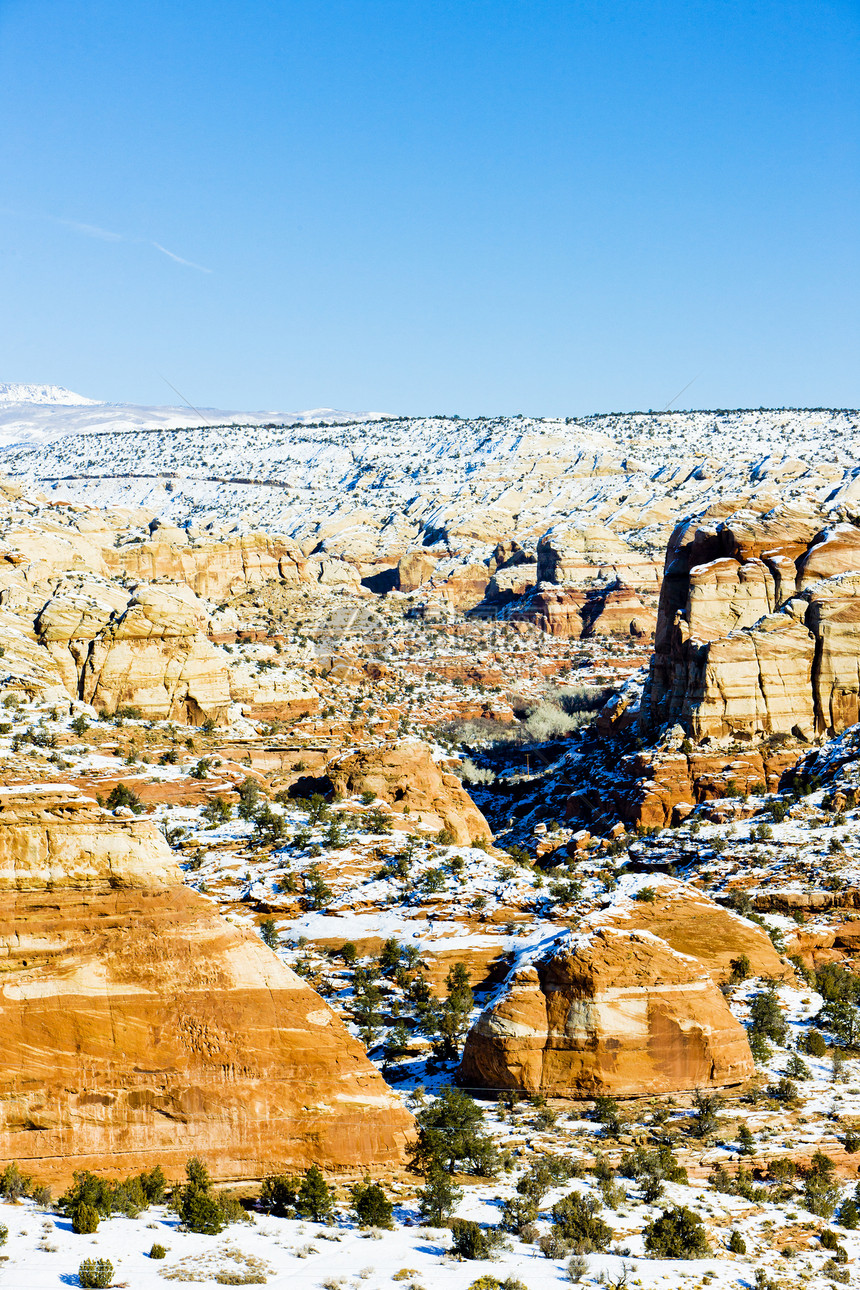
{"points": [[42, 394], [31, 414]]}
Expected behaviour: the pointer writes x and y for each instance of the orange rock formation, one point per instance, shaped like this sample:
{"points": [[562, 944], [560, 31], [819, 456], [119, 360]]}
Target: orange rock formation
{"points": [[141, 1028]]}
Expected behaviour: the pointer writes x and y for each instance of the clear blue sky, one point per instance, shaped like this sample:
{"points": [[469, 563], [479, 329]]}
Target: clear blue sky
{"points": [[483, 206]]}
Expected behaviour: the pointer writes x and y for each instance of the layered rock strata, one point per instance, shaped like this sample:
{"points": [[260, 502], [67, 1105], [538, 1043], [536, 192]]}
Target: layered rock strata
{"points": [[758, 630], [406, 776], [141, 1028], [617, 1008]]}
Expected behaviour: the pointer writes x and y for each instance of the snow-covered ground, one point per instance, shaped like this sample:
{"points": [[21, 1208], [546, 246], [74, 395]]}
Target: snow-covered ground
{"points": [[458, 479]]}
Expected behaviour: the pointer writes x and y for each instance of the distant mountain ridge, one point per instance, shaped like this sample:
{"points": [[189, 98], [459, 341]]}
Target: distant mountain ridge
{"points": [[32, 414], [11, 392]]}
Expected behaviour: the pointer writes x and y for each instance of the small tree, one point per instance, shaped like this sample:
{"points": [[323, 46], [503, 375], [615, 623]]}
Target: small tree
{"points": [[218, 810], [766, 1019], [317, 891], [315, 1199], [367, 1006], [449, 1131], [371, 1205], [269, 933], [249, 798], [197, 1207], [821, 1190], [439, 1198], [705, 1107], [577, 1223]]}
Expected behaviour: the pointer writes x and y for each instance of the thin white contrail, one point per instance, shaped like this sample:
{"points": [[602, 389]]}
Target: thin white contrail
{"points": [[178, 258], [107, 235]]}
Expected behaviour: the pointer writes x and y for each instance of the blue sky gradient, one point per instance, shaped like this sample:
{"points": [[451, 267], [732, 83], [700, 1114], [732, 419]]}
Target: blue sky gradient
{"points": [[473, 207]]}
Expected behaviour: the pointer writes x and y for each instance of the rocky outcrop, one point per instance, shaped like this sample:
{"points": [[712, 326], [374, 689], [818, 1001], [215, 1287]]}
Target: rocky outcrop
{"points": [[406, 776], [213, 568], [617, 1009], [614, 610], [758, 629], [152, 654], [141, 1028], [149, 649], [574, 554]]}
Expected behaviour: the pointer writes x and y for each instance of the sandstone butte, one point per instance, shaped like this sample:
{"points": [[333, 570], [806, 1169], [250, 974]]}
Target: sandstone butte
{"points": [[140, 1027], [758, 630], [405, 775], [628, 1005]]}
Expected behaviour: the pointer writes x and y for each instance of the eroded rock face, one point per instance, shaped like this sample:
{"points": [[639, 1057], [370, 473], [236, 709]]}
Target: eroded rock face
{"points": [[758, 630], [141, 1028], [405, 775], [151, 654], [618, 1009]]}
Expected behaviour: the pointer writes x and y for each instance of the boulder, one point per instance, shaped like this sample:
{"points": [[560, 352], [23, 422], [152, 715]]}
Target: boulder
{"points": [[141, 1028]]}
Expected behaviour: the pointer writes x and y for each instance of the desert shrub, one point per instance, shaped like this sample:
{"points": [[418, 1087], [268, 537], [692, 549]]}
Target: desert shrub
{"points": [[544, 1174], [14, 1184], [553, 1246], [4, 1233], [651, 1169], [577, 1268], [95, 1274], [489, 1282], [646, 894], [785, 1091], [519, 1213], [737, 1244], [85, 1219], [122, 795], [576, 1221], [157, 1251], [815, 1044], [606, 1111], [741, 969], [371, 1205], [279, 1194], [677, 1234], [821, 1190], [471, 1241]]}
